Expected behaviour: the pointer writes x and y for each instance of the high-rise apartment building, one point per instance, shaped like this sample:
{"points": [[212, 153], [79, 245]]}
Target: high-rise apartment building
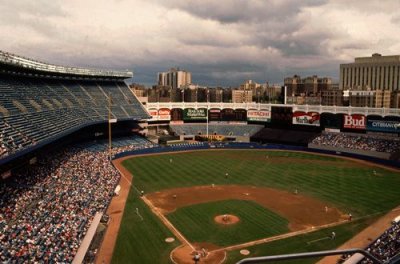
{"points": [[309, 86], [375, 73], [174, 78]]}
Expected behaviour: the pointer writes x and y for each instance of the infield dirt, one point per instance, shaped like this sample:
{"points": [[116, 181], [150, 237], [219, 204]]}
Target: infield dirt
{"points": [[301, 211]]}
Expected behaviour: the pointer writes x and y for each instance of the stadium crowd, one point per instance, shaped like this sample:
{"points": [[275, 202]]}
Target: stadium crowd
{"points": [[46, 209], [387, 245], [361, 142], [384, 248]]}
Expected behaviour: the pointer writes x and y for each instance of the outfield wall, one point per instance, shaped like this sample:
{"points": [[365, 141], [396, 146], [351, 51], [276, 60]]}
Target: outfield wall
{"points": [[235, 145]]}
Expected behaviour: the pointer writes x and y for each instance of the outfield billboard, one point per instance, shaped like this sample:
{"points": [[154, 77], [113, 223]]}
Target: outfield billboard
{"points": [[330, 120], [240, 115], [195, 114], [214, 115], [259, 115], [383, 126], [153, 113], [308, 119], [228, 114], [176, 114], [164, 114], [354, 122]]}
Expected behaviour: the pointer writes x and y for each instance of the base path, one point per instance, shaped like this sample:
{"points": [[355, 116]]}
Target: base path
{"points": [[301, 211], [115, 211]]}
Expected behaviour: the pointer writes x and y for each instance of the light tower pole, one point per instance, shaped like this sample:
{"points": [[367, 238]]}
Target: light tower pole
{"points": [[208, 104], [109, 127]]}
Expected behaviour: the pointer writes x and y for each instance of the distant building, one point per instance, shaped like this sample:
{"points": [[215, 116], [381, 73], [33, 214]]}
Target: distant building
{"points": [[250, 85], [378, 98], [332, 97], [395, 99], [174, 78], [375, 73], [302, 100], [242, 96], [309, 86], [272, 93], [216, 94]]}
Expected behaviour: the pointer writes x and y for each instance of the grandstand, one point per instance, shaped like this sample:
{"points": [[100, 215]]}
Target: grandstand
{"points": [[48, 205], [40, 103]]}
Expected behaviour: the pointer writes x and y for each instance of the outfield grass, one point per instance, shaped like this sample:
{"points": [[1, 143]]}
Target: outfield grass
{"points": [[348, 185], [299, 244], [142, 241], [197, 223]]}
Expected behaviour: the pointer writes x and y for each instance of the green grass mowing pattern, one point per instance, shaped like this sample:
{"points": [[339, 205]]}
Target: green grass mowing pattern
{"points": [[141, 241], [197, 223], [298, 244], [348, 185]]}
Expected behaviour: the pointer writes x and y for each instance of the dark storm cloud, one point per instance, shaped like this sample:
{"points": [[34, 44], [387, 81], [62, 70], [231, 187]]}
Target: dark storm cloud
{"points": [[241, 11]]}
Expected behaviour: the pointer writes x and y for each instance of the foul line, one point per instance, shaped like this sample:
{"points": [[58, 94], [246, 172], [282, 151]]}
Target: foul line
{"points": [[167, 223], [319, 239], [292, 234], [122, 175]]}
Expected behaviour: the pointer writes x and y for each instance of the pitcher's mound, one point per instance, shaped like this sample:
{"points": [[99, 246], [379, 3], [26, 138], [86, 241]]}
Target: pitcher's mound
{"points": [[226, 219]]}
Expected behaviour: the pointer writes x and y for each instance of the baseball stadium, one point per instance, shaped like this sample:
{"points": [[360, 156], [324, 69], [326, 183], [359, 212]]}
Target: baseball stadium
{"points": [[91, 175]]}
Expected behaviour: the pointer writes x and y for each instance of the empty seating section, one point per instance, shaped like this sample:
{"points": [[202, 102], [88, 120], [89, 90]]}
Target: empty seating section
{"points": [[217, 129], [119, 144], [36, 109], [284, 136]]}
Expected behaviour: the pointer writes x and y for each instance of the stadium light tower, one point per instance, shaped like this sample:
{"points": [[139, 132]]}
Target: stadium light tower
{"points": [[208, 105], [109, 126]]}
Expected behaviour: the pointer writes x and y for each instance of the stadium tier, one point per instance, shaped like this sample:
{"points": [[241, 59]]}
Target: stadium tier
{"points": [[37, 108]]}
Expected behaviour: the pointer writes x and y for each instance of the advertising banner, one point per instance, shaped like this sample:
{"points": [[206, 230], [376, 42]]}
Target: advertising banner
{"points": [[241, 115], [214, 115], [195, 114], [383, 126], [164, 114], [354, 122], [308, 119], [259, 115], [154, 114]]}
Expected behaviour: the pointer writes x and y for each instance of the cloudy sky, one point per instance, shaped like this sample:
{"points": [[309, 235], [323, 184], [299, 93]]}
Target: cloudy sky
{"points": [[222, 42]]}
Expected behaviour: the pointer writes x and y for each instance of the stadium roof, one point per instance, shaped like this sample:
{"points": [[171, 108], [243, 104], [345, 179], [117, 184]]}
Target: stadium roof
{"points": [[42, 68]]}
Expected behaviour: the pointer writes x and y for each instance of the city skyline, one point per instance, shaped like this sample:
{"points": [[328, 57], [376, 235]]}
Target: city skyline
{"points": [[222, 43]]}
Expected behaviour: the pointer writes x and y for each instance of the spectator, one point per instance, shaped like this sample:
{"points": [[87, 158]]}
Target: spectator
{"points": [[46, 209], [361, 142]]}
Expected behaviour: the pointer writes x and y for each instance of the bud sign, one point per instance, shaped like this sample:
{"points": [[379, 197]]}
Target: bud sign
{"points": [[354, 121]]}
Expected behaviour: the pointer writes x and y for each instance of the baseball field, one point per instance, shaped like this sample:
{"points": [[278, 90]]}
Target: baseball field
{"points": [[230, 204]]}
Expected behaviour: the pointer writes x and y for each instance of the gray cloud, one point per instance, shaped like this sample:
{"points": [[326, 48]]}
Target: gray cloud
{"points": [[241, 11]]}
